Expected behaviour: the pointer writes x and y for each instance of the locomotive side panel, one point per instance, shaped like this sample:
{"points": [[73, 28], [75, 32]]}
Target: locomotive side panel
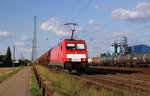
{"points": [[57, 55]]}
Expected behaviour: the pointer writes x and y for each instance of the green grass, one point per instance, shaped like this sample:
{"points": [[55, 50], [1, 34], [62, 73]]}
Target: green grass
{"points": [[34, 90], [62, 85], [4, 77]]}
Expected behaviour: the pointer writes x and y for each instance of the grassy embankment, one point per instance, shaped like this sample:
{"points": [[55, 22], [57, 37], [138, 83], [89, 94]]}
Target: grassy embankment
{"points": [[34, 90], [62, 85], [7, 72]]}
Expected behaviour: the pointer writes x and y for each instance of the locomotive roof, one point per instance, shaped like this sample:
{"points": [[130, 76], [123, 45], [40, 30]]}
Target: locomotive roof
{"points": [[67, 40], [72, 40]]}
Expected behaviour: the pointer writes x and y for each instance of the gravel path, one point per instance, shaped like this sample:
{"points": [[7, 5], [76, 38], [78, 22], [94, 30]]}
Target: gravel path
{"points": [[17, 85]]}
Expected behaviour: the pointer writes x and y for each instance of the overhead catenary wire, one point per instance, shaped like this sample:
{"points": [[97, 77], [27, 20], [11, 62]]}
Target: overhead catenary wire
{"points": [[120, 4], [82, 10], [109, 23], [139, 29], [136, 30], [129, 25], [74, 7]]}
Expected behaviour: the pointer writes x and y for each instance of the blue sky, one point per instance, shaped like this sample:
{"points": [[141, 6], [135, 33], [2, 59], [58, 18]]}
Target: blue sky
{"points": [[100, 22]]}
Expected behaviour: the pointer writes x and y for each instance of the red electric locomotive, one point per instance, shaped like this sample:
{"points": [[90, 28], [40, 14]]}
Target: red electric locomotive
{"points": [[69, 54]]}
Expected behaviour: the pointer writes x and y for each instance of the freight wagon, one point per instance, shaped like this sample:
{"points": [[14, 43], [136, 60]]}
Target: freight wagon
{"points": [[131, 60]]}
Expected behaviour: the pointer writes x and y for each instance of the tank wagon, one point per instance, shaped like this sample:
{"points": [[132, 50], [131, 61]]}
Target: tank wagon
{"points": [[130, 60], [69, 54], [107, 60]]}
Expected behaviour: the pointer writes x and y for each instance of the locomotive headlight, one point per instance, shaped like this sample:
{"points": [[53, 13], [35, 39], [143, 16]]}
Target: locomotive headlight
{"points": [[83, 59], [68, 59]]}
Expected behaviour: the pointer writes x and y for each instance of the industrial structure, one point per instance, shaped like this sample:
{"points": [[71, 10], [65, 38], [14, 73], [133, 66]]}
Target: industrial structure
{"points": [[139, 49], [120, 47]]}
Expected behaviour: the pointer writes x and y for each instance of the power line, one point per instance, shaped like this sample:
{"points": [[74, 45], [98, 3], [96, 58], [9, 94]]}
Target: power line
{"points": [[82, 10], [136, 30], [109, 23], [113, 8], [140, 28], [72, 10]]}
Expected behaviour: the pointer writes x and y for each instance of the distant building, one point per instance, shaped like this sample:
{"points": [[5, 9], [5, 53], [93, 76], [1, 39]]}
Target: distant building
{"points": [[139, 49]]}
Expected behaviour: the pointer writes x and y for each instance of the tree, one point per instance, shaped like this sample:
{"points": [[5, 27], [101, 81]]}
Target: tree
{"points": [[8, 60], [2, 60], [103, 54]]}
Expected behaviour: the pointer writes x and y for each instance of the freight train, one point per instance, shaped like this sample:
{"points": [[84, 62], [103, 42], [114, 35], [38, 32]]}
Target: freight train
{"points": [[69, 54], [130, 60]]}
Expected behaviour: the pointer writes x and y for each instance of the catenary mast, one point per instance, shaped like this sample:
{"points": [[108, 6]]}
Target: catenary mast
{"points": [[34, 47]]}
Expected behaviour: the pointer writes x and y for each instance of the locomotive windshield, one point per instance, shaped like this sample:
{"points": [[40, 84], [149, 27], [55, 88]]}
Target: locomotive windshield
{"points": [[75, 46], [80, 46], [70, 46]]}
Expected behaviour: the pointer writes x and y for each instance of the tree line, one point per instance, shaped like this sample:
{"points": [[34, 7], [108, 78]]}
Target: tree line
{"points": [[6, 60]]}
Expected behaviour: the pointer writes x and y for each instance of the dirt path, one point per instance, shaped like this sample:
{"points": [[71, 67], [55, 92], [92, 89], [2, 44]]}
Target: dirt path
{"points": [[17, 85]]}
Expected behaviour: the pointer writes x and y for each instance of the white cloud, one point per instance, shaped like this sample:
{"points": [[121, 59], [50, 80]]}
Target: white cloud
{"points": [[55, 26], [96, 7], [19, 43], [93, 22], [25, 49], [24, 38], [4, 34], [142, 5], [139, 14], [96, 29], [80, 29]]}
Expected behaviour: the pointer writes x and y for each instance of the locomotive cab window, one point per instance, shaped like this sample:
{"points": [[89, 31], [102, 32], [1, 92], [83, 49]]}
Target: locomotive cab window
{"points": [[70, 46], [80, 46], [75, 46]]}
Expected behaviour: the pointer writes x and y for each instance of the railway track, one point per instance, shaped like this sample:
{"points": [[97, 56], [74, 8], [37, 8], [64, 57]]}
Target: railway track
{"points": [[128, 69], [142, 74], [114, 81], [126, 77], [134, 77], [120, 83]]}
